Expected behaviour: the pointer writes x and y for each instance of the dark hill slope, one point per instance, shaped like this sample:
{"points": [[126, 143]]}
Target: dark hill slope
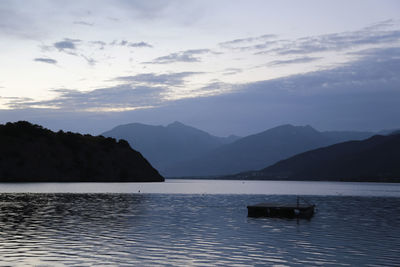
{"points": [[374, 159], [30, 153]]}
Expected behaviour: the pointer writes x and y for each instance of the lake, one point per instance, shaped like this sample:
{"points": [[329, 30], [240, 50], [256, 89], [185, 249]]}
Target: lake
{"points": [[197, 222]]}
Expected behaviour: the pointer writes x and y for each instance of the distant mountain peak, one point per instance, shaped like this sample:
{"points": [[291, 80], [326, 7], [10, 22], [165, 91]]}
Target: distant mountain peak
{"points": [[291, 126], [283, 126], [170, 144], [182, 150], [176, 124]]}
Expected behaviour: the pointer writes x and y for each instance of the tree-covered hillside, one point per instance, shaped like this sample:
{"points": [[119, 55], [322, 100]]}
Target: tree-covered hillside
{"points": [[30, 153]]}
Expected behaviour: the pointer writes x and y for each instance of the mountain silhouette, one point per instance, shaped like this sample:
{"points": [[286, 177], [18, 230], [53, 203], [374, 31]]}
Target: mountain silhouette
{"points": [[259, 150], [374, 159], [178, 150], [30, 153], [164, 146]]}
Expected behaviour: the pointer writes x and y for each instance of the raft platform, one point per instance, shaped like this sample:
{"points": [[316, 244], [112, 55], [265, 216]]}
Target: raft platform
{"points": [[304, 211]]}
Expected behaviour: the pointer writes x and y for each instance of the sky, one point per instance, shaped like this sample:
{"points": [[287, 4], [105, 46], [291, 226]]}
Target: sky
{"points": [[227, 67]]}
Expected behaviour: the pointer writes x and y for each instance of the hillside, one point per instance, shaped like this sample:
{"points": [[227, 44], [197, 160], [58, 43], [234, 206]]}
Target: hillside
{"points": [[178, 150], [164, 146], [253, 152], [30, 153], [375, 159], [259, 150]]}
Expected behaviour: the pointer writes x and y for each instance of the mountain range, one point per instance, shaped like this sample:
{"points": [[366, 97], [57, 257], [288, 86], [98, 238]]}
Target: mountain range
{"points": [[164, 146], [376, 159], [178, 150]]}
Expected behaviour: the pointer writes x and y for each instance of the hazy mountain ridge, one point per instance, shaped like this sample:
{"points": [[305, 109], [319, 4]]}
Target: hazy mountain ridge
{"points": [[375, 159], [30, 153], [342, 136], [251, 152], [166, 145], [178, 150], [263, 149]]}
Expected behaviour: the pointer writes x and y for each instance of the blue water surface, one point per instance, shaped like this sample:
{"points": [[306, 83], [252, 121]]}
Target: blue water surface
{"points": [[113, 229]]}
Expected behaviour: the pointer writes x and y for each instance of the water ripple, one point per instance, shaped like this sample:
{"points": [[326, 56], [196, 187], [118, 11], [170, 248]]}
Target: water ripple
{"points": [[198, 230]]}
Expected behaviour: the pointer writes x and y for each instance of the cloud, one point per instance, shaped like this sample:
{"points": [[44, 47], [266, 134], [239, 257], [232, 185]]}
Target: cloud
{"points": [[84, 23], [69, 46], [120, 97], [89, 60], [360, 95], [252, 43], [100, 44], [46, 60], [40, 20], [140, 44], [170, 79], [387, 53], [234, 43], [214, 88], [333, 42], [66, 44], [232, 71], [183, 56], [13, 99], [131, 44], [381, 25], [136, 91], [293, 61], [375, 72], [381, 33], [123, 43]]}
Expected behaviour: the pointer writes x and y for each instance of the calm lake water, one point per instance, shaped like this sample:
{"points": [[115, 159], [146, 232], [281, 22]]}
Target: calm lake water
{"points": [[357, 226]]}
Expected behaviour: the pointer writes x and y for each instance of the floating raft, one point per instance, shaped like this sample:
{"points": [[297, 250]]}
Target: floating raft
{"points": [[304, 211]]}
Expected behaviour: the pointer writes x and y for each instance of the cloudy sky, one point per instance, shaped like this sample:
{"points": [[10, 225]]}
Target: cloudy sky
{"points": [[228, 67]]}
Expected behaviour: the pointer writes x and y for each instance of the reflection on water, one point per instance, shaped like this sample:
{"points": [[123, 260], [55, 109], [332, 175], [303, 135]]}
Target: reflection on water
{"points": [[202, 186], [157, 229]]}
